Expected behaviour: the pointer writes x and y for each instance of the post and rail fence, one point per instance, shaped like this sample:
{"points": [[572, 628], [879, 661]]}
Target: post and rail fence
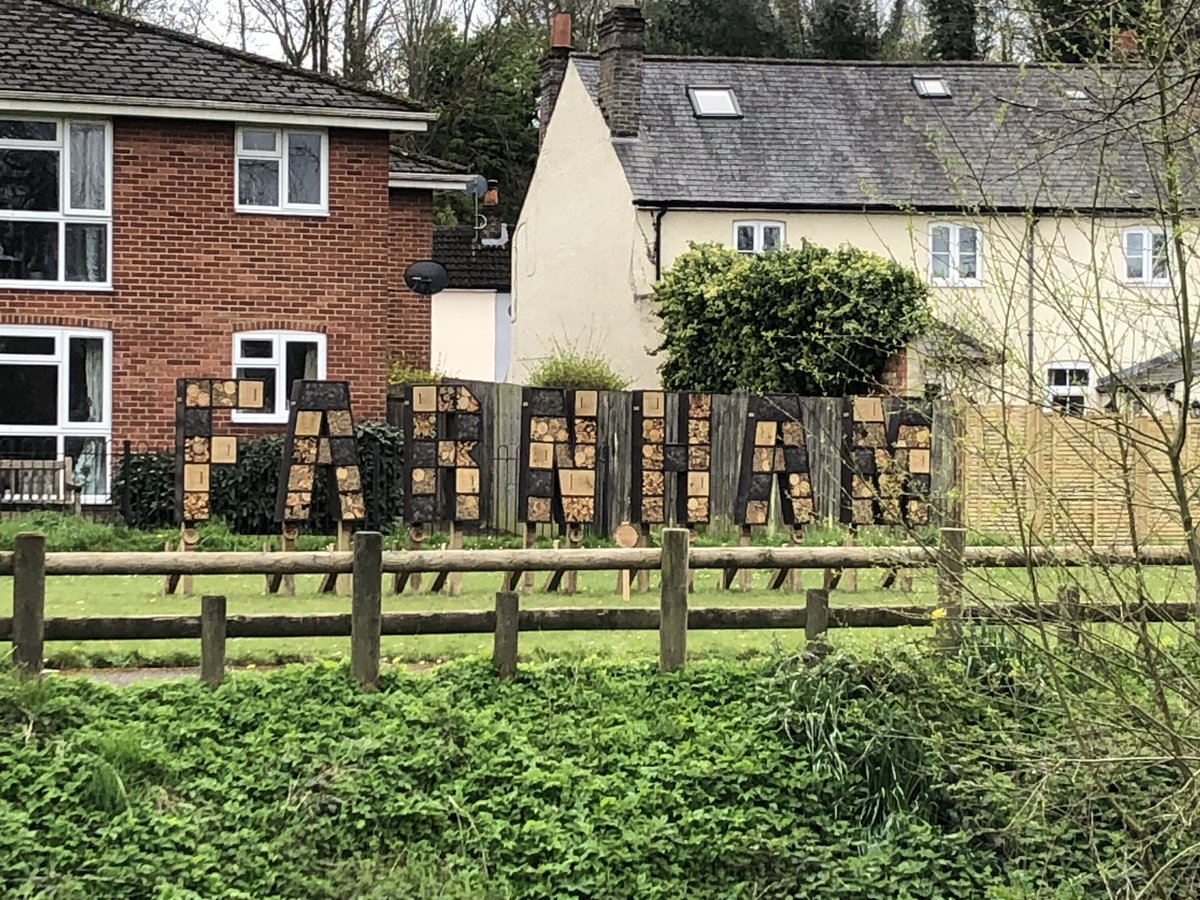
{"points": [[29, 565]]}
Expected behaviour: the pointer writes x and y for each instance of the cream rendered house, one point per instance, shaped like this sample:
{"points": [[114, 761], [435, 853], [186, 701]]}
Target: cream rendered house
{"points": [[1008, 187]]}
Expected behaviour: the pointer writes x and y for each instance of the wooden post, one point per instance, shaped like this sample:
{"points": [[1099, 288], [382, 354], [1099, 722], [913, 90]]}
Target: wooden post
{"points": [[574, 542], [212, 640], [345, 583], [848, 578], [816, 614], [182, 584], [527, 542], [950, 567], [400, 580], [1069, 614], [643, 575], [746, 576], [672, 629], [455, 582], [29, 603], [504, 652], [554, 579], [339, 584], [284, 584], [366, 607]]}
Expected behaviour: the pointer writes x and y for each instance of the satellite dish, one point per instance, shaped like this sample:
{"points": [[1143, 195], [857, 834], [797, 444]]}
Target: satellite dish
{"points": [[477, 186], [426, 277]]}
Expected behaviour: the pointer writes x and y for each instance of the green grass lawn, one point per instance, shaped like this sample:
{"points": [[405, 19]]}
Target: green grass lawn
{"points": [[118, 596]]}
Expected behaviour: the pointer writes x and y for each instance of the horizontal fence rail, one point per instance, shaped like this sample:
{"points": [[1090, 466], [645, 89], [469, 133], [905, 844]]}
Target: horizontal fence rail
{"points": [[415, 624], [366, 623], [614, 559]]}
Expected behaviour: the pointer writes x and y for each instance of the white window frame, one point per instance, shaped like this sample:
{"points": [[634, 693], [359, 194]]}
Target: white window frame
{"points": [[280, 155], [1148, 233], [697, 91], [1082, 391], [955, 279], [60, 359], [278, 362], [758, 225], [65, 214]]}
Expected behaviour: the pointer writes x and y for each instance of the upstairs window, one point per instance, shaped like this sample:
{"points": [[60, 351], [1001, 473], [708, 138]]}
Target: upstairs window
{"points": [[278, 359], [55, 202], [714, 103], [1146, 257], [1067, 386], [757, 237], [282, 171], [954, 255]]}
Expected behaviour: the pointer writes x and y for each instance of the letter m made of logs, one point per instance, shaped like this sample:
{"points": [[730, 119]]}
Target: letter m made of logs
{"points": [[886, 479], [559, 435], [774, 451]]}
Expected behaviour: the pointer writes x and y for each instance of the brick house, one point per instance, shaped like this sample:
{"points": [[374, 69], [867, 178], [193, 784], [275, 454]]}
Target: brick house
{"points": [[171, 207]]}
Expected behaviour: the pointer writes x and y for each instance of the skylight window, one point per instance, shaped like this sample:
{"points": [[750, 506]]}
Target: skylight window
{"points": [[931, 86], [714, 103]]}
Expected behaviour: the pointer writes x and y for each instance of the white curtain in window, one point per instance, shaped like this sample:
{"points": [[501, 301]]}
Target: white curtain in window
{"points": [[93, 370], [89, 467], [87, 165], [310, 362]]}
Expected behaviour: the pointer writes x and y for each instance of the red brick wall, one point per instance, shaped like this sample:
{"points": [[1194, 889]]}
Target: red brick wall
{"points": [[188, 271], [412, 239]]}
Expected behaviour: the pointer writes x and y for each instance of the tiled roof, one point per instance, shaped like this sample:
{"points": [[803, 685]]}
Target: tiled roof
{"points": [[469, 264], [1151, 374], [406, 162], [57, 47], [849, 135]]}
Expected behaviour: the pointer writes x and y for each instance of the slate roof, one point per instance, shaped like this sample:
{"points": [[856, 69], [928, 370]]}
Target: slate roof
{"points": [[406, 162], [1152, 374], [851, 134], [469, 264], [57, 47]]}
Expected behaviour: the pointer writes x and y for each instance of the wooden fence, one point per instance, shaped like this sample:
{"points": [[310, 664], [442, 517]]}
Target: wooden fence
{"points": [[29, 564], [1084, 480], [822, 417]]}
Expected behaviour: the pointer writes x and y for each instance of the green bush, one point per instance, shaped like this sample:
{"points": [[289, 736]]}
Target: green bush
{"points": [[243, 494], [890, 777], [579, 370], [805, 320]]}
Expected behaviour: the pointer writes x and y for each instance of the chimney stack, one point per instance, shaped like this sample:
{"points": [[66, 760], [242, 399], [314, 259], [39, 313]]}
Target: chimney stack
{"points": [[622, 44], [554, 70]]}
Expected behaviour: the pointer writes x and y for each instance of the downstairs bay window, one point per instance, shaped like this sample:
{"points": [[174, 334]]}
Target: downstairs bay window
{"points": [[56, 400], [277, 359], [55, 202]]}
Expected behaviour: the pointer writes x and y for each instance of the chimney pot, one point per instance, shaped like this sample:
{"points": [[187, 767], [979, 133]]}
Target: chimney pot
{"points": [[560, 31]]}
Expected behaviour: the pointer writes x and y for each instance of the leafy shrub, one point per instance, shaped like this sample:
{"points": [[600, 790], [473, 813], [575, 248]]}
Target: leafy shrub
{"points": [[878, 778], [401, 372], [243, 494], [581, 370], [805, 320]]}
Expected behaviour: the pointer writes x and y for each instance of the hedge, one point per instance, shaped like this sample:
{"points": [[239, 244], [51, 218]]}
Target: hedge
{"points": [[243, 494]]}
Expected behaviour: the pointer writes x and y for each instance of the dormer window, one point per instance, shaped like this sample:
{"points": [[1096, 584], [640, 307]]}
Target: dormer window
{"points": [[714, 103], [931, 87]]}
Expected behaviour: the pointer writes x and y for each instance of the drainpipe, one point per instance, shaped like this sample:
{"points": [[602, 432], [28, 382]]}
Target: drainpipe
{"points": [[1029, 263], [658, 217]]}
